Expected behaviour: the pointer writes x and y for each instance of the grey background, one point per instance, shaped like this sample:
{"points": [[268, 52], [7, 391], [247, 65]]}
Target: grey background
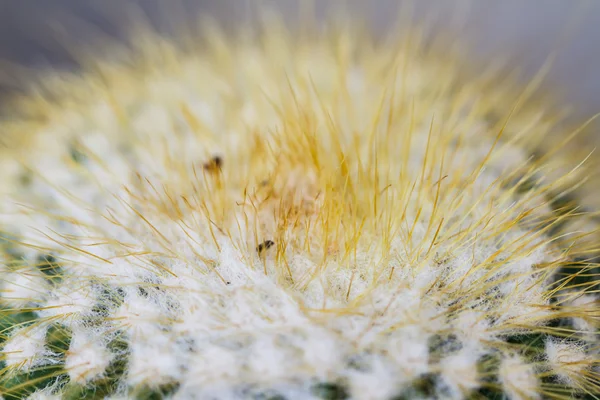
{"points": [[39, 32]]}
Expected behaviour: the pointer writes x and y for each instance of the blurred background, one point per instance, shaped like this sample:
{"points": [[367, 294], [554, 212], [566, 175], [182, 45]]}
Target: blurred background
{"points": [[38, 33]]}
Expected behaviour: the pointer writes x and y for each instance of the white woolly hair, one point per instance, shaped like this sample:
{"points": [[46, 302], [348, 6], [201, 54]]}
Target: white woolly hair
{"points": [[304, 216]]}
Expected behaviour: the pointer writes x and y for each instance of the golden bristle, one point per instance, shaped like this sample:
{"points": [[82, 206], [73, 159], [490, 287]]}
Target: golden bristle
{"points": [[266, 202]]}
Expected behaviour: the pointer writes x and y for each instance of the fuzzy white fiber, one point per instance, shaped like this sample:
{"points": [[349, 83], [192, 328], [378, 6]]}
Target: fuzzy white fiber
{"points": [[569, 360], [264, 217], [519, 378], [26, 349], [87, 357]]}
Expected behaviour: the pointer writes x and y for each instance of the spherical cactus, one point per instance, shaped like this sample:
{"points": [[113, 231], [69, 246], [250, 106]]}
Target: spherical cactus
{"points": [[281, 216]]}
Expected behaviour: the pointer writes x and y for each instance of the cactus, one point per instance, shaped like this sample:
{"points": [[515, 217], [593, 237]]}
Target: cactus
{"points": [[281, 216]]}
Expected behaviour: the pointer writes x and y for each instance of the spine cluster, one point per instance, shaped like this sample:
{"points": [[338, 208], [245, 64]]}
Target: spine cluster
{"points": [[291, 217]]}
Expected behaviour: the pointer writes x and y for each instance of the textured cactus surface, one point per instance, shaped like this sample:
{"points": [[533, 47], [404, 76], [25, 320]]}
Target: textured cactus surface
{"points": [[276, 215]]}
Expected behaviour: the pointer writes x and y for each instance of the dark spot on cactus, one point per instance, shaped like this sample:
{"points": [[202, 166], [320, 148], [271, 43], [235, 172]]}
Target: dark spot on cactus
{"points": [[268, 395], [97, 315], [58, 339], [330, 391], [187, 343], [524, 185], [582, 396], [159, 393], [118, 346], [529, 344], [492, 117], [214, 165], [7, 246], [77, 155], [109, 298], [15, 257], [562, 328], [21, 385], [109, 382], [491, 387], [25, 178], [564, 203], [443, 344], [487, 392], [73, 391], [113, 296], [532, 344], [358, 363], [267, 244], [10, 318], [422, 387], [50, 267], [582, 274], [151, 287]]}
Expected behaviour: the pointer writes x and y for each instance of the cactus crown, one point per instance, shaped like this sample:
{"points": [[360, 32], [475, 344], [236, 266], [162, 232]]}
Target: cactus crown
{"points": [[272, 216]]}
